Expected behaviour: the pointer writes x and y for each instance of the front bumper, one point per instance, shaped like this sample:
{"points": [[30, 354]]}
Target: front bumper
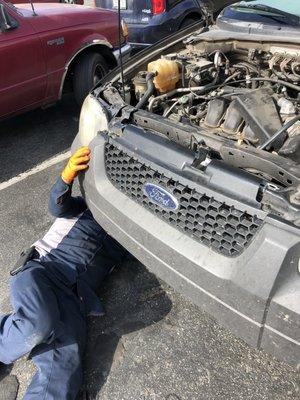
{"points": [[125, 51], [256, 294]]}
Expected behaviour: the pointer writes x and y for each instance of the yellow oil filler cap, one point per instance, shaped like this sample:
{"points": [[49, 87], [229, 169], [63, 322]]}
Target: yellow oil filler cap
{"points": [[167, 74]]}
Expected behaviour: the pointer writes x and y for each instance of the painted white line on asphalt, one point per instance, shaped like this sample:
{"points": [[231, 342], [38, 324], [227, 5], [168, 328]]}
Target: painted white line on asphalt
{"points": [[282, 335], [44, 165]]}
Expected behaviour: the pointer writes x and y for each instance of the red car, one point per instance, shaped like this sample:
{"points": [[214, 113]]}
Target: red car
{"points": [[57, 48], [53, 1]]}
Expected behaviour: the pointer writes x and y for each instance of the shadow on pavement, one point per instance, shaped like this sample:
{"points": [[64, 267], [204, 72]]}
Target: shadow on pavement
{"points": [[134, 300], [33, 137]]}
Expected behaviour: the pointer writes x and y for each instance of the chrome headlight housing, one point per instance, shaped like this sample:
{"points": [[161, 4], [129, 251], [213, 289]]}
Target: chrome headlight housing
{"points": [[93, 118]]}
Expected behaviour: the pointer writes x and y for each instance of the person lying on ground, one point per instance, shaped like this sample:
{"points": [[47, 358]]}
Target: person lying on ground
{"points": [[53, 291]]}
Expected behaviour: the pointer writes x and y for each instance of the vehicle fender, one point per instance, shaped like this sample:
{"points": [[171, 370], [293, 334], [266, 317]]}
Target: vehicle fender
{"points": [[180, 12], [190, 14], [94, 41]]}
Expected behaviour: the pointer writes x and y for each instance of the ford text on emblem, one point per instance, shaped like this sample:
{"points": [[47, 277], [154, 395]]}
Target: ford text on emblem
{"points": [[160, 196]]}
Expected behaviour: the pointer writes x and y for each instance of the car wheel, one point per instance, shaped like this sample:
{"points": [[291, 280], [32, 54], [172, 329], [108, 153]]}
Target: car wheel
{"points": [[68, 1], [187, 22], [90, 69]]}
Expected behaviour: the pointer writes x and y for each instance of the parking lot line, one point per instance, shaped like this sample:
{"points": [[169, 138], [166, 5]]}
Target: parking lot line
{"points": [[44, 165]]}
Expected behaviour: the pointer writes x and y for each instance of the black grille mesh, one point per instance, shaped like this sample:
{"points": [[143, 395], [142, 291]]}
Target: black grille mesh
{"points": [[220, 226]]}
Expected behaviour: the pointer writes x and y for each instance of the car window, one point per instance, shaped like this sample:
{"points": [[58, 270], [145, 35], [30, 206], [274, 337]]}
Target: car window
{"points": [[9, 15], [290, 6], [284, 12]]}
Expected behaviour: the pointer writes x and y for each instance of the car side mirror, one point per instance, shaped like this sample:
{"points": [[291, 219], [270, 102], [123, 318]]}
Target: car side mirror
{"points": [[6, 22]]}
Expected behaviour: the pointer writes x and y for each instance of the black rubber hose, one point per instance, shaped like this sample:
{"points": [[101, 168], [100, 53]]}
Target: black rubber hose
{"points": [[279, 132], [283, 83], [149, 92], [211, 86]]}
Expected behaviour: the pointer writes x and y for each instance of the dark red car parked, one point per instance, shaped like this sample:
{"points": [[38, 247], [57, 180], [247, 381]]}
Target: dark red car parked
{"points": [[59, 47], [53, 1]]}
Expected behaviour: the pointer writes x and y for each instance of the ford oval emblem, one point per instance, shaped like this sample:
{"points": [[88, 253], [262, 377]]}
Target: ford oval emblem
{"points": [[158, 195]]}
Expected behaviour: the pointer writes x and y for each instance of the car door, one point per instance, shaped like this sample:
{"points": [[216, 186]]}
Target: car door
{"points": [[23, 77]]}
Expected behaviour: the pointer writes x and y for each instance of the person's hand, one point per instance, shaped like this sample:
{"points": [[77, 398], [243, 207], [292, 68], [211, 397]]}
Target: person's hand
{"points": [[77, 162]]}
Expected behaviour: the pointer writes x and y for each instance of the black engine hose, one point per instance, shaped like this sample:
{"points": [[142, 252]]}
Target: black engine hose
{"points": [[257, 79], [279, 132], [149, 92]]}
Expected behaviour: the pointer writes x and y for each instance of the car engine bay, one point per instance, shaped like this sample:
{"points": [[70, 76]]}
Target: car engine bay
{"points": [[234, 101]]}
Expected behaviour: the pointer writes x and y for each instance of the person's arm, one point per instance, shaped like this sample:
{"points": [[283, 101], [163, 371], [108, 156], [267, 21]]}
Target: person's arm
{"points": [[61, 202]]}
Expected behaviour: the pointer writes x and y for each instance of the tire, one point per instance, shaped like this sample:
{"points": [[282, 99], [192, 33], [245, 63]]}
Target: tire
{"points": [[187, 22], [88, 71], [68, 1]]}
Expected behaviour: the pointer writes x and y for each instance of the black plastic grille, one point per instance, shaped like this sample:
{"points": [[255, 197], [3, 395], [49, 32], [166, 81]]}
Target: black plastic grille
{"points": [[220, 226]]}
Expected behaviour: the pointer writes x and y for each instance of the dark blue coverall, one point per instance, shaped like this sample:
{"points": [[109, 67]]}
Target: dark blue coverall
{"points": [[53, 294]]}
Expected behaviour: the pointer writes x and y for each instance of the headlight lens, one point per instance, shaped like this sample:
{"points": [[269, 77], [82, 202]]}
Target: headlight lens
{"points": [[93, 118]]}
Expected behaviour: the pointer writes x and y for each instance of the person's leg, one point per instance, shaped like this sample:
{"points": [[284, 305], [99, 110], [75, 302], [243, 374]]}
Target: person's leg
{"points": [[59, 364], [35, 318]]}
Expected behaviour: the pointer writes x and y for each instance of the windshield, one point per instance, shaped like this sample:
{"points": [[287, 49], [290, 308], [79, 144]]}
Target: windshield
{"points": [[284, 12]]}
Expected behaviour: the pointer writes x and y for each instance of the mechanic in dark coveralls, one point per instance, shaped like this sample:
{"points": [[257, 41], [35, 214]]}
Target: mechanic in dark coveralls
{"points": [[55, 290]]}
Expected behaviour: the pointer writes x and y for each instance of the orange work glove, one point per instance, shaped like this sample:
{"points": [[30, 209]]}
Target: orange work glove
{"points": [[77, 162]]}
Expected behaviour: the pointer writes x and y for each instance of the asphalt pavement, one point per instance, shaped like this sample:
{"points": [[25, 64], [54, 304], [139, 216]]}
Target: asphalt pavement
{"points": [[153, 344]]}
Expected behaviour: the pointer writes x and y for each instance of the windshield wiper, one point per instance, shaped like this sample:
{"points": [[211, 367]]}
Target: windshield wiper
{"points": [[272, 13]]}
